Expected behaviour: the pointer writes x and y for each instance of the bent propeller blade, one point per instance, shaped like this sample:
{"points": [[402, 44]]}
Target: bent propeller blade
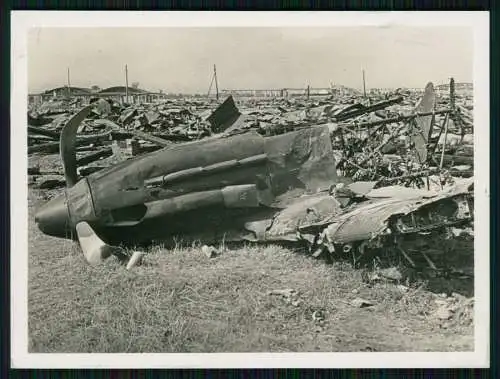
{"points": [[94, 249], [424, 123], [67, 144]]}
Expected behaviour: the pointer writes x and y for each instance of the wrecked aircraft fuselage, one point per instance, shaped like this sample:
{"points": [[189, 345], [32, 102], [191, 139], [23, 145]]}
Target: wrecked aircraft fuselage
{"points": [[242, 187], [212, 185]]}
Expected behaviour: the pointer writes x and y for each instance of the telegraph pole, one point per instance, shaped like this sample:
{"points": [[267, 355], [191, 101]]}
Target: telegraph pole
{"points": [[364, 85], [126, 84], [216, 84], [452, 94], [69, 85]]}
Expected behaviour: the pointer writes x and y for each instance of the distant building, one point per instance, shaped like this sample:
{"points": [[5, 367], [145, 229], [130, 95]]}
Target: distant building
{"points": [[135, 95], [60, 92], [68, 91], [281, 92], [118, 93]]}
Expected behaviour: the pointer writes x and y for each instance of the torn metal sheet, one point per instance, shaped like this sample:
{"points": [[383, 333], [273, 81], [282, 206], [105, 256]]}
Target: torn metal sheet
{"points": [[399, 192], [401, 215], [224, 116], [301, 213], [361, 188]]}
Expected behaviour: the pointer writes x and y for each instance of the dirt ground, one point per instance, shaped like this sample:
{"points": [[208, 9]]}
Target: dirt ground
{"points": [[182, 301]]}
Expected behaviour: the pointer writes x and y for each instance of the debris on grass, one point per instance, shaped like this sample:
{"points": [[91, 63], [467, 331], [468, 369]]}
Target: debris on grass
{"points": [[361, 303], [457, 309], [209, 251], [392, 273], [318, 316], [290, 296], [135, 259]]}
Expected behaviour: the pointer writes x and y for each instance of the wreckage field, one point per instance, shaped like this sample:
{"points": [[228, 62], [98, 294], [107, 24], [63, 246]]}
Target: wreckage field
{"points": [[333, 223]]}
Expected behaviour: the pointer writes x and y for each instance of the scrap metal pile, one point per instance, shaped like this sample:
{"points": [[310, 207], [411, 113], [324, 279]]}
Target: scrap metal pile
{"points": [[169, 120], [387, 176]]}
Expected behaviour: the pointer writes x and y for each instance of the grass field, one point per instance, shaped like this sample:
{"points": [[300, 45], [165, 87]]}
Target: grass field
{"points": [[182, 301]]}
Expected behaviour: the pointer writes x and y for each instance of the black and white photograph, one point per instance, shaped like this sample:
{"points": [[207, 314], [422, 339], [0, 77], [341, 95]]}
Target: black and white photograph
{"points": [[262, 184]]}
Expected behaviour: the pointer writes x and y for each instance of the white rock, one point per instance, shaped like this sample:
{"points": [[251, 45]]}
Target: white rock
{"points": [[209, 251]]}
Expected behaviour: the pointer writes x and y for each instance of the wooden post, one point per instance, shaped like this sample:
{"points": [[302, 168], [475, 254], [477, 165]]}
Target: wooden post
{"points": [[364, 84], [126, 84], [445, 137], [452, 95], [69, 85]]}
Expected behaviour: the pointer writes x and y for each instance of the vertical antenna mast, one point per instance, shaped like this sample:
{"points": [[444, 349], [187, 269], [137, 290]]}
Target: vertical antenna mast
{"points": [[126, 84]]}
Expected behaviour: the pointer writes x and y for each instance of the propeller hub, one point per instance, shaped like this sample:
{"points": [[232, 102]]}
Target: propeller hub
{"points": [[53, 218]]}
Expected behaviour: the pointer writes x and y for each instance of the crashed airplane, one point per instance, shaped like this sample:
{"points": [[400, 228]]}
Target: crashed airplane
{"points": [[247, 187]]}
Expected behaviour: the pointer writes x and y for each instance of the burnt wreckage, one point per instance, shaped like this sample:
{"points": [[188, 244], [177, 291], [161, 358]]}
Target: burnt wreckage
{"points": [[249, 187]]}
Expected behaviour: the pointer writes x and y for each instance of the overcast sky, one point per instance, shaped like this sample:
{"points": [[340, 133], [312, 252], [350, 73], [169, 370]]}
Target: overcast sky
{"points": [[181, 59]]}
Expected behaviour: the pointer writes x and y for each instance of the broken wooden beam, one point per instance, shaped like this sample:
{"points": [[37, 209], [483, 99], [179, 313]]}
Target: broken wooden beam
{"points": [[50, 147], [39, 120], [103, 153], [371, 108], [33, 170], [117, 132], [93, 138], [84, 171], [35, 140], [462, 173], [43, 132], [151, 138], [53, 147], [455, 159], [50, 183]]}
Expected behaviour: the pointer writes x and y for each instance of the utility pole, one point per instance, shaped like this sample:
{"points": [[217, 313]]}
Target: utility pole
{"points": [[452, 94], [216, 84], [364, 85], [69, 85], [126, 84]]}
